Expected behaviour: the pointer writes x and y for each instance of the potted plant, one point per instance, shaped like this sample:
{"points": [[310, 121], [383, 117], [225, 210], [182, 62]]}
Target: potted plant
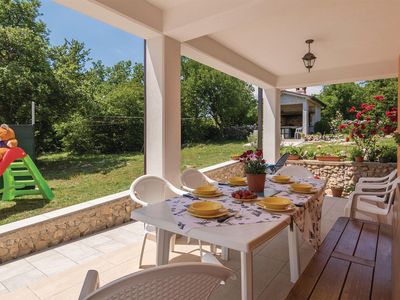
{"points": [[357, 155], [324, 155], [255, 169], [294, 152], [337, 191]]}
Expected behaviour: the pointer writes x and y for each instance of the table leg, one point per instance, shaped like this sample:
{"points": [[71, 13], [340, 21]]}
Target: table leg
{"points": [[294, 259], [246, 260], [163, 240]]}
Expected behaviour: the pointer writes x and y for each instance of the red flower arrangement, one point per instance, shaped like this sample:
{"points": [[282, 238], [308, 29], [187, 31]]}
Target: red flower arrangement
{"points": [[369, 124]]}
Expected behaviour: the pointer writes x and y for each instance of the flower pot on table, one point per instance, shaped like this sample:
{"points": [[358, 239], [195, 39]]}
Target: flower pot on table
{"points": [[256, 182]]}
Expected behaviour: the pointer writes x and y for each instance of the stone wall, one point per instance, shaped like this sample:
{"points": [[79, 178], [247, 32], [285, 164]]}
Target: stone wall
{"points": [[37, 233], [222, 172], [344, 173]]}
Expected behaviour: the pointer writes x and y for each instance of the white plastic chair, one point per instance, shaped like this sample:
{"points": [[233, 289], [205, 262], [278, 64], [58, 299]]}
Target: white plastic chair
{"points": [[369, 202], [193, 178], [298, 132], [376, 181], [297, 171], [149, 189], [180, 281]]}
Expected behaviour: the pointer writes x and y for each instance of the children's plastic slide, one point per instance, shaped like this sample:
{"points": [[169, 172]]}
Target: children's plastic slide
{"points": [[21, 177]]}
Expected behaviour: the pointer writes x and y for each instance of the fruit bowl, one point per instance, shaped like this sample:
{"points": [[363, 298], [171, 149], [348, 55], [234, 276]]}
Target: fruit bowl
{"points": [[244, 195]]}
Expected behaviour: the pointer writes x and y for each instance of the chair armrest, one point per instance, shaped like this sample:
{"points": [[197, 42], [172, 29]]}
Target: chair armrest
{"points": [[90, 284], [210, 259], [364, 187], [381, 180]]}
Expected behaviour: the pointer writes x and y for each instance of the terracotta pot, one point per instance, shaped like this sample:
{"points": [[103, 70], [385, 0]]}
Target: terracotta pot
{"points": [[328, 158], [359, 159], [293, 157], [256, 182], [337, 191]]}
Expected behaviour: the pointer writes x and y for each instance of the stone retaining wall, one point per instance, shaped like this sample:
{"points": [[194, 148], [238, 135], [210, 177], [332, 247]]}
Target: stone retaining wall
{"points": [[344, 173], [43, 231]]}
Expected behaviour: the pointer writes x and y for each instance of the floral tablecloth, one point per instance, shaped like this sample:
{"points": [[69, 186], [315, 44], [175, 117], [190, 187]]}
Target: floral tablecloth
{"points": [[309, 207], [249, 212], [307, 214]]}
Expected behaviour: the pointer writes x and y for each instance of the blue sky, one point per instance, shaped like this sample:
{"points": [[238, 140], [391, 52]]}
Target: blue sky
{"points": [[107, 43]]}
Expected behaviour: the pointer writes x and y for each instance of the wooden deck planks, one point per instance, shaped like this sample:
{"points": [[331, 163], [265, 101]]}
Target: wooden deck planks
{"points": [[330, 284], [354, 262], [358, 283], [381, 287]]}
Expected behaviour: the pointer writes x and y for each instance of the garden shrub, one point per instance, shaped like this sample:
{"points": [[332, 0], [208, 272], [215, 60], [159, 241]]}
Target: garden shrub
{"points": [[322, 127]]}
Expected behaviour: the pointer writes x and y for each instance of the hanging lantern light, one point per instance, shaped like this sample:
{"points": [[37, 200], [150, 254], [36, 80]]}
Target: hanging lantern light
{"points": [[309, 58]]}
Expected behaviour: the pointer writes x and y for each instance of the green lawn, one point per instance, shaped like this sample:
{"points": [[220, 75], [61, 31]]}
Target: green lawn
{"points": [[75, 179]]}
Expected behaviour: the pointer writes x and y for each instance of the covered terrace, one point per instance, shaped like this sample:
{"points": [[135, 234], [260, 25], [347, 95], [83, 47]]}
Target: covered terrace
{"points": [[261, 42]]}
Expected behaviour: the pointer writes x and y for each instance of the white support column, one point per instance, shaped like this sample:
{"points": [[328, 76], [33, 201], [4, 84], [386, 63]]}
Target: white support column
{"points": [[163, 108], [317, 117], [272, 124], [305, 117]]}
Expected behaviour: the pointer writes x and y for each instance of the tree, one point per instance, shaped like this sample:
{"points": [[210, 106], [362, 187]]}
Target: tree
{"points": [[208, 94]]}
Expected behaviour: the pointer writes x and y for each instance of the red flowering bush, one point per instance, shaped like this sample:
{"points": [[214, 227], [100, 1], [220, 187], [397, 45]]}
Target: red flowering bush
{"points": [[372, 120], [253, 162]]}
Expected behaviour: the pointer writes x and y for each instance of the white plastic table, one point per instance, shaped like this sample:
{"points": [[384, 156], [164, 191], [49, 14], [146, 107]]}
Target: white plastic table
{"points": [[243, 238]]}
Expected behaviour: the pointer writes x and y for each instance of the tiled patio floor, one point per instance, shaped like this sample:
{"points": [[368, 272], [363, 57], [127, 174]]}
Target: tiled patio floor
{"points": [[58, 273]]}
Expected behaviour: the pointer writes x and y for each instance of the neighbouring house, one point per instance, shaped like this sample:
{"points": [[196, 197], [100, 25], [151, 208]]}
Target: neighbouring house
{"points": [[299, 111]]}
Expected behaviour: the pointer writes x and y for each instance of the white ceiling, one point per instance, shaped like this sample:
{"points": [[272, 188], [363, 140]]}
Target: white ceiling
{"points": [[262, 41], [346, 33]]}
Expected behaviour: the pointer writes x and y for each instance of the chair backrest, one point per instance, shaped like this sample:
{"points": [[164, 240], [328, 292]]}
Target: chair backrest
{"points": [[195, 281], [193, 178], [149, 189], [281, 161], [297, 171]]}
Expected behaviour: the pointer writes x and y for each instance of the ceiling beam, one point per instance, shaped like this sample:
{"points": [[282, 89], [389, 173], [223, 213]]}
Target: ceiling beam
{"points": [[213, 54], [136, 17], [379, 70], [201, 18]]}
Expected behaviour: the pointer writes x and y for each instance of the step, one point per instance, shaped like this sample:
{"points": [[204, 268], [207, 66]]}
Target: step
{"points": [[18, 165], [19, 184], [27, 192], [20, 173]]}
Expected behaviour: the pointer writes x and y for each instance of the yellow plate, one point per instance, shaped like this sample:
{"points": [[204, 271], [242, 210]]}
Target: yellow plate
{"points": [[304, 187], [312, 191], [206, 190], [205, 207], [237, 179], [281, 178], [208, 196], [281, 182], [286, 209], [238, 183], [275, 202], [220, 213]]}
